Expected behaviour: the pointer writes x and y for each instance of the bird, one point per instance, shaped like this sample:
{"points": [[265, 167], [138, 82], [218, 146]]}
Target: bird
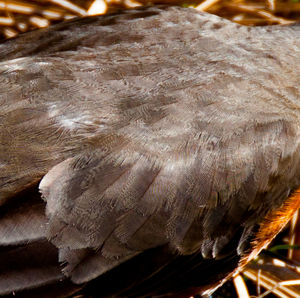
{"points": [[152, 152]]}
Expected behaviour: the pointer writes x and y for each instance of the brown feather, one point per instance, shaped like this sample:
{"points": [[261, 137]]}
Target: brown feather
{"points": [[164, 139]]}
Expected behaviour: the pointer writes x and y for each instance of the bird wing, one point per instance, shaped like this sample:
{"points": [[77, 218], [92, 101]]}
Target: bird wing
{"points": [[134, 156], [122, 202]]}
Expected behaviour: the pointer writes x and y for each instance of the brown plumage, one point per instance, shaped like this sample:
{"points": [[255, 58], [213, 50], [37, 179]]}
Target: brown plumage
{"points": [[164, 143]]}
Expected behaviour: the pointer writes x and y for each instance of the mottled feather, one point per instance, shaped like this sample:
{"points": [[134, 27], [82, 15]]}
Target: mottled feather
{"points": [[162, 133]]}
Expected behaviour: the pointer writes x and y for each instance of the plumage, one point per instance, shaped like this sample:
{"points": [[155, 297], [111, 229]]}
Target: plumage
{"points": [[148, 151]]}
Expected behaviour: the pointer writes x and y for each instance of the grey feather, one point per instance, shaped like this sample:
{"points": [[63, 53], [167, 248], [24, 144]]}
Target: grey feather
{"points": [[167, 127]]}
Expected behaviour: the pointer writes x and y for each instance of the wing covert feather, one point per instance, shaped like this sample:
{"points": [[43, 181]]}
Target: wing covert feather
{"points": [[115, 205], [146, 147]]}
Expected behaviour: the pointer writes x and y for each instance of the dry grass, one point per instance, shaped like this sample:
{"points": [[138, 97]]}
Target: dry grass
{"points": [[275, 273], [20, 16]]}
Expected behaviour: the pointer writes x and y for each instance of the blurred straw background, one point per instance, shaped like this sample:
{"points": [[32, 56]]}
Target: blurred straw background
{"points": [[276, 272], [20, 16]]}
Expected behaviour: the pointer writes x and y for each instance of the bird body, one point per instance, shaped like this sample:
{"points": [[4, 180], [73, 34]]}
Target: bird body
{"points": [[150, 152]]}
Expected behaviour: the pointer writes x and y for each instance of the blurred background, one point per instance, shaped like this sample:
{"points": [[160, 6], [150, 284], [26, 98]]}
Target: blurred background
{"points": [[20, 16], [276, 272]]}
